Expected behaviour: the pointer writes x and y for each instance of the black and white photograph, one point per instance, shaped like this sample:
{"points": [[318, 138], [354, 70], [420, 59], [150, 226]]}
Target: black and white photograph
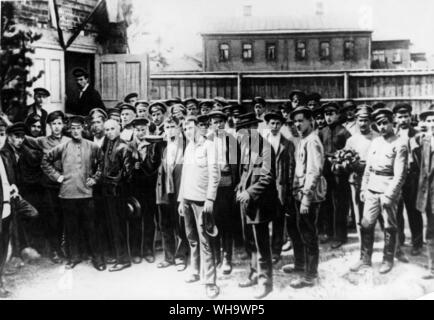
{"points": [[216, 151]]}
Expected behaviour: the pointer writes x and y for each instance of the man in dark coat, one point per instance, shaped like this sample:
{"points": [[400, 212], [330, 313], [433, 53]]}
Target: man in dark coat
{"points": [[257, 196], [145, 159], [425, 196], [405, 130], [336, 207], [116, 172], [39, 95], [172, 225], [225, 215], [11, 204], [284, 150], [88, 97]]}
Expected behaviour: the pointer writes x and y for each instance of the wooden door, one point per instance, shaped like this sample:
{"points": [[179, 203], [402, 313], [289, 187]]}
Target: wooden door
{"points": [[52, 63], [116, 75]]}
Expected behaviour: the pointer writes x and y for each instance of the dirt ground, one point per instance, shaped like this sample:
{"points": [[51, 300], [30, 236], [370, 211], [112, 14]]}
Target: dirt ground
{"points": [[44, 280]]}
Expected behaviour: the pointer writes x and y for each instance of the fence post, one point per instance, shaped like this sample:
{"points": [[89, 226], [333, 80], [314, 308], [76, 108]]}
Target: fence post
{"points": [[239, 90], [346, 86]]}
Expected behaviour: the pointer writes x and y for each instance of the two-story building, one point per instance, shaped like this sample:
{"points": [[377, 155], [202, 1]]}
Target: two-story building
{"points": [[90, 34], [316, 42]]}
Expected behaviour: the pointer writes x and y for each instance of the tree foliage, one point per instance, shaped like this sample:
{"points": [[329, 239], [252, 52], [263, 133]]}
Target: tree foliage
{"points": [[15, 62]]}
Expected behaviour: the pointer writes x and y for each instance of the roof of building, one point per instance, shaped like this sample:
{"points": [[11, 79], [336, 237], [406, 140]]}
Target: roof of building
{"points": [[270, 25]]}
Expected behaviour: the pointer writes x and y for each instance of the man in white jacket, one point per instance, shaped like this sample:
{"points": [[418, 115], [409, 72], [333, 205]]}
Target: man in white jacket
{"points": [[199, 181]]}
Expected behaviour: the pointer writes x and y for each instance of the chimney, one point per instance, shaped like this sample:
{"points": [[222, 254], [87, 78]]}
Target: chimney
{"points": [[247, 11], [319, 8]]}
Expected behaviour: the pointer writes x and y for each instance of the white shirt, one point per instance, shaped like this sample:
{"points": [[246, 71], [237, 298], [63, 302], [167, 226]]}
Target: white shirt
{"points": [[274, 140], [84, 89], [99, 141]]}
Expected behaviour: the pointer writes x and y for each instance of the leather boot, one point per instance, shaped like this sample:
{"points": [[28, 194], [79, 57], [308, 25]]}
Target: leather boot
{"points": [[430, 253], [312, 260], [389, 250], [367, 244]]}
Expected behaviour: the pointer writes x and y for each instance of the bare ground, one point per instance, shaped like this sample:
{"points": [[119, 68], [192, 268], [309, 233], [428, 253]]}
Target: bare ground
{"points": [[44, 280]]}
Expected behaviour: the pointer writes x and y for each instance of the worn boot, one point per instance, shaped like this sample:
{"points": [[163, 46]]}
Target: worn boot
{"points": [[430, 253], [367, 244], [389, 250]]}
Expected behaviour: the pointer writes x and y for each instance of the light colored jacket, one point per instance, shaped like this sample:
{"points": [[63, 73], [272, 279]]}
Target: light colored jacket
{"points": [[200, 172], [386, 167], [309, 183]]}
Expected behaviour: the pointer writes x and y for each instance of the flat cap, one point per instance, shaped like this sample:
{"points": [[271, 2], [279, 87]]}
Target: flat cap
{"points": [[301, 95], [348, 104], [258, 100], [301, 109], [402, 108], [139, 122], [76, 119], [202, 118], [98, 112], [314, 96], [382, 113], [130, 96], [217, 114], [426, 113], [330, 105], [157, 106], [41, 91], [206, 103], [191, 100], [113, 111], [78, 72], [127, 106], [178, 107], [274, 114], [139, 102], [16, 128], [55, 115], [364, 111]]}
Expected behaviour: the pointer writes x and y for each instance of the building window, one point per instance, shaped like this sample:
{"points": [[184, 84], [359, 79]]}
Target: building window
{"points": [[224, 52], [324, 50], [270, 51], [378, 55], [397, 58], [247, 53], [348, 50], [300, 53]]}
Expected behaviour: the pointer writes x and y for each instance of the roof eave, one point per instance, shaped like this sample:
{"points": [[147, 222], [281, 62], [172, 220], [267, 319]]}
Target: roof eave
{"points": [[259, 32]]}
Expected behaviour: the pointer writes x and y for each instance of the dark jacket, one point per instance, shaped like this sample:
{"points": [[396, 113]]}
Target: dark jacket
{"points": [[285, 165], [232, 152], [116, 165], [258, 179], [8, 154], [89, 99], [24, 112], [145, 178], [167, 175], [333, 138], [425, 192]]}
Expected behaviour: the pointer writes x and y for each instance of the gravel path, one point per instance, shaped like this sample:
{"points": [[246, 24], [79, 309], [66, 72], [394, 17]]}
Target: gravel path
{"points": [[44, 280]]}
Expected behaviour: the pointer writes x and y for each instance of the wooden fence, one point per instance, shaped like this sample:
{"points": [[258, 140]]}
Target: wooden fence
{"points": [[364, 86]]}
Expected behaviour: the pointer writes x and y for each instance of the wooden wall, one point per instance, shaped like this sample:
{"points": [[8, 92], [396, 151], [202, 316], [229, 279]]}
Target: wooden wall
{"points": [[416, 87]]}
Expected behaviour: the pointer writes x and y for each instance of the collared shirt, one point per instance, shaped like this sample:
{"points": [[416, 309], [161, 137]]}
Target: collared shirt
{"points": [[37, 111], [84, 89], [6, 190], [274, 140]]}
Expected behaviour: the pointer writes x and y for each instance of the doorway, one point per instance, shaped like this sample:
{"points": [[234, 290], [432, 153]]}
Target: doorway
{"points": [[75, 60]]}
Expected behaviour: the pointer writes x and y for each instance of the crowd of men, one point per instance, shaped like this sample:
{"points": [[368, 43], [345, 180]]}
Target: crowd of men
{"points": [[102, 183]]}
